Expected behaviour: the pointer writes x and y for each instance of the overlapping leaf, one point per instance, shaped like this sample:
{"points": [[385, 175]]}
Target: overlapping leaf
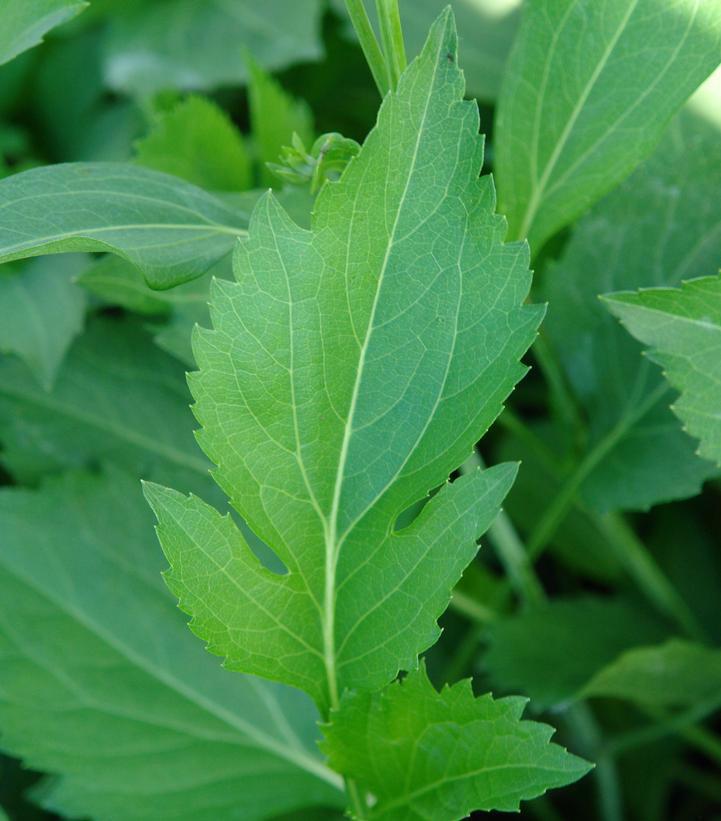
{"points": [[675, 674], [551, 653], [424, 754], [659, 228], [190, 45], [116, 398], [103, 685], [588, 90], [168, 228], [683, 328], [486, 29], [350, 370], [23, 23], [41, 312], [198, 142], [274, 117]]}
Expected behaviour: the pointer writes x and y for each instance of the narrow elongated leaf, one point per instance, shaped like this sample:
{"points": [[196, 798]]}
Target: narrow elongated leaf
{"points": [[350, 370], [549, 654], [676, 674], [589, 88], [23, 23], [116, 398], [41, 312], [191, 45], [197, 142], [424, 754], [486, 28], [662, 226], [168, 228], [683, 328], [103, 685]]}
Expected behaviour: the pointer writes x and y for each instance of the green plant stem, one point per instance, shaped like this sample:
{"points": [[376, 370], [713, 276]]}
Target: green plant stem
{"points": [[584, 728], [630, 552], [357, 800], [703, 740], [514, 557], [562, 400], [389, 20], [640, 566], [559, 507], [367, 39], [663, 726], [470, 608], [510, 549], [464, 651]]}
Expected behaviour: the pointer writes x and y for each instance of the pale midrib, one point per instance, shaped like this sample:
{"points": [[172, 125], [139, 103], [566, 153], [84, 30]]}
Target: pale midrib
{"points": [[647, 91], [406, 799], [80, 233], [540, 186], [332, 547], [668, 317]]}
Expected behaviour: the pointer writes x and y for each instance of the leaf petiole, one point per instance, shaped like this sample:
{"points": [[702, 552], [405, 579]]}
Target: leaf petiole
{"points": [[389, 19], [367, 39]]}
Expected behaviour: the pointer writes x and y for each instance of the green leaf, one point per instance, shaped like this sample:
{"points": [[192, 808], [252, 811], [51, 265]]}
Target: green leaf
{"points": [[117, 397], [578, 542], [119, 283], [41, 312], [683, 329], [351, 368], [25, 22], [675, 674], [589, 88], [487, 29], [168, 228], [660, 227], [274, 117], [425, 754], [173, 312], [103, 685], [550, 653], [183, 44], [198, 142]]}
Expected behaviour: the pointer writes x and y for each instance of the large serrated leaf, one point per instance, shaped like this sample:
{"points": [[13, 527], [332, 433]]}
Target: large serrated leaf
{"points": [[103, 685], [168, 228], [589, 88], [424, 754], [350, 370], [683, 328]]}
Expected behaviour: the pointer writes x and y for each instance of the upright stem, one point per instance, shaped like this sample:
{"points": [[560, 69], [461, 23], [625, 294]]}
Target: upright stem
{"points": [[367, 39], [357, 800], [582, 724], [559, 507], [641, 566], [389, 19], [510, 549], [561, 398]]}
